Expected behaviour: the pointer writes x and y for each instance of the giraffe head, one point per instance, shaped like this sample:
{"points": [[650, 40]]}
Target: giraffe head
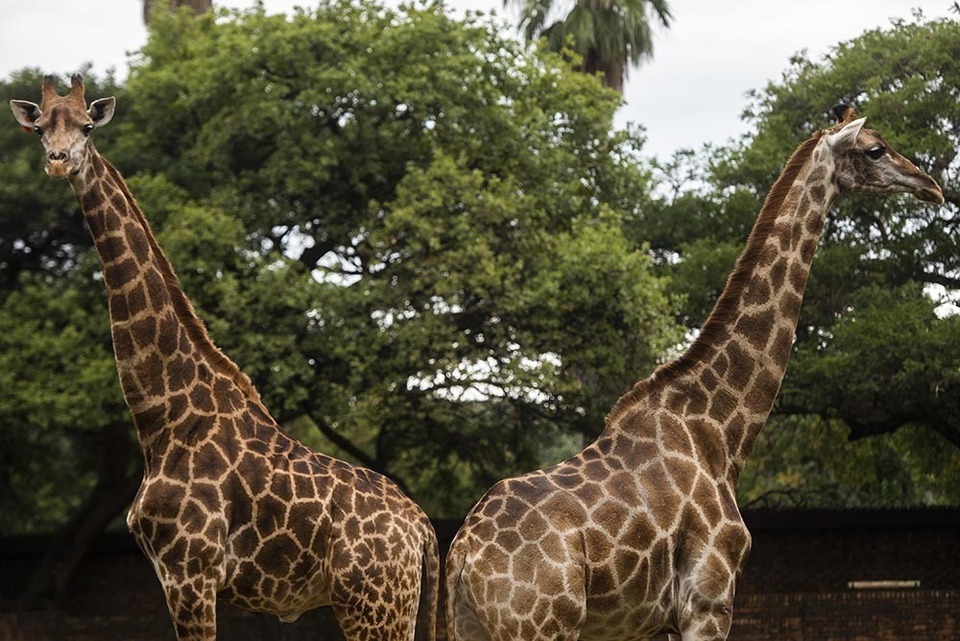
{"points": [[866, 162], [64, 124]]}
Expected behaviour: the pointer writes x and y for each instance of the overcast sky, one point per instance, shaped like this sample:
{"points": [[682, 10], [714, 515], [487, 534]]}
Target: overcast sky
{"points": [[690, 94]]}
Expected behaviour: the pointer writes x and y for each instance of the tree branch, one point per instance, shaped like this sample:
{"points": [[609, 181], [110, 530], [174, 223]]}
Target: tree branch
{"points": [[311, 255], [346, 444], [952, 196]]}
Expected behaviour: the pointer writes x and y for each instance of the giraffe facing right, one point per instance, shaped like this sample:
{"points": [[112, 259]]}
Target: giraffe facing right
{"points": [[639, 533]]}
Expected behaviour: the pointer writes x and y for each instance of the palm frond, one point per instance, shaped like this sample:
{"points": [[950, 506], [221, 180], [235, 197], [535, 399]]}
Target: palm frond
{"points": [[610, 35]]}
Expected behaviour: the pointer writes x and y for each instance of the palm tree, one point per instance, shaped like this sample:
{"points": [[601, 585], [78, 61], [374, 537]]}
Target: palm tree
{"points": [[198, 6], [609, 35]]}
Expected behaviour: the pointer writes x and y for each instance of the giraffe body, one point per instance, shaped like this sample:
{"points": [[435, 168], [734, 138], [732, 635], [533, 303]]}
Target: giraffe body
{"points": [[598, 547], [229, 505], [640, 533]]}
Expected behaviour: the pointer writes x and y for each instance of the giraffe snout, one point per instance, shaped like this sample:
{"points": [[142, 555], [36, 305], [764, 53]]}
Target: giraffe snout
{"points": [[931, 193], [58, 164]]}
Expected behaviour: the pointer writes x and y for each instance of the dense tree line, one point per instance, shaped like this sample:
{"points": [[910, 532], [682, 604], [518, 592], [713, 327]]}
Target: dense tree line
{"points": [[434, 257]]}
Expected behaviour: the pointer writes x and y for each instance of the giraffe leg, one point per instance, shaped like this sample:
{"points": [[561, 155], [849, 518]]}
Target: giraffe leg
{"points": [[709, 618], [383, 608], [709, 626], [462, 621], [192, 602], [370, 622]]}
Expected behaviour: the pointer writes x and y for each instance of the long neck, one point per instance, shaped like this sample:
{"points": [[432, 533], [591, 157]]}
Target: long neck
{"points": [[724, 385], [162, 349]]}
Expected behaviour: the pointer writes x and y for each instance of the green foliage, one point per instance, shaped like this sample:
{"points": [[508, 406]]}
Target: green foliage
{"points": [[804, 462], [433, 257], [890, 361], [406, 229], [60, 390]]}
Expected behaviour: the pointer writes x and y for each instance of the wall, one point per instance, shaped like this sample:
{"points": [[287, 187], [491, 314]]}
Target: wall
{"points": [[794, 587]]}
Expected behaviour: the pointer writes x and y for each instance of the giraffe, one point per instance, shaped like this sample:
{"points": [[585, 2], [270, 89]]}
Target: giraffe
{"points": [[229, 507], [639, 533]]}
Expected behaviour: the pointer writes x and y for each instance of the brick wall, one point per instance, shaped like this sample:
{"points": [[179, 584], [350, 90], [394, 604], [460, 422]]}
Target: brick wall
{"points": [[822, 551], [931, 615], [794, 588]]}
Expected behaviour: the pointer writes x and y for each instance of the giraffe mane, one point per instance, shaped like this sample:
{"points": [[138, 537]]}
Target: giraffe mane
{"points": [[725, 308], [181, 304]]}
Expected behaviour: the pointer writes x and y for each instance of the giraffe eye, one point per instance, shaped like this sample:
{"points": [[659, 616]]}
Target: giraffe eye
{"points": [[38, 131], [87, 129], [876, 153]]}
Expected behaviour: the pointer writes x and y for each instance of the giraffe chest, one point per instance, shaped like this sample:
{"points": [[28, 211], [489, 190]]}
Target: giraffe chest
{"points": [[261, 536], [276, 552], [283, 573]]}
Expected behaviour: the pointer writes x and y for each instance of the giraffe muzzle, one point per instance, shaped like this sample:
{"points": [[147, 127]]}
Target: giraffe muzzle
{"points": [[57, 169], [930, 194]]}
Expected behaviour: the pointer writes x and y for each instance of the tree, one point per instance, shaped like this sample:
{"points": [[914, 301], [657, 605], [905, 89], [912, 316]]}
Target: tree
{"points": [[872, 352], [454, 213], [406, 229], [609, 35], [197, 6]]}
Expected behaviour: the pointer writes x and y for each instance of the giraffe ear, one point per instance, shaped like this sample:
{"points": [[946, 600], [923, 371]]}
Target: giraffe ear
{"points": [[101, 111], [846, 138], [25, 112]]}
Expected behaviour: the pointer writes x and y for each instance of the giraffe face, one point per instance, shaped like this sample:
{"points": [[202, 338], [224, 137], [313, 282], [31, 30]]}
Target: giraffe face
{"points": [[64, 125], [866, 162]]}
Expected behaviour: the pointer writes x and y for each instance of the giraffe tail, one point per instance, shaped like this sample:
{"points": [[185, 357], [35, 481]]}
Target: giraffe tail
{"points": [[429, 588]]}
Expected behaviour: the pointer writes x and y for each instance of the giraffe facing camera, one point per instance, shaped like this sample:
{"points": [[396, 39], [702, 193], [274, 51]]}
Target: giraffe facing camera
{"points": [[639, 534], [229, 506]]}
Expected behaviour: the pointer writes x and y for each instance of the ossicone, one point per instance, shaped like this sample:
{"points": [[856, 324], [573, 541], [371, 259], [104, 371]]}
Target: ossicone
{"points": [[844, 113], [49, 93]]}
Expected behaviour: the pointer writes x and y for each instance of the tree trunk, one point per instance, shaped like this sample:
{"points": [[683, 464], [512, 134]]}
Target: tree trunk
{"points": [[115, 489]]}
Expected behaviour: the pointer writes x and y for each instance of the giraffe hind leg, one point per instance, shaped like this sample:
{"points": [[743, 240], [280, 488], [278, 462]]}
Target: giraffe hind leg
{"points": [[381, 608]]}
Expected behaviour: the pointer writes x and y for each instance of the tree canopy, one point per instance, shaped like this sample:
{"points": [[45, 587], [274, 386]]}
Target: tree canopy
{"points": [[406, 229]]}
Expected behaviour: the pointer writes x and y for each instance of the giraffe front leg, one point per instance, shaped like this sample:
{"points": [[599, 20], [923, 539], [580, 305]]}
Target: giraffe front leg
{"points": [[375, 598], [192, 601], [710, 624], [708, 618]]}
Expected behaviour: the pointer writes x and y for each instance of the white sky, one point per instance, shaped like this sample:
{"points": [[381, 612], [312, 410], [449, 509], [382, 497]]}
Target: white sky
{"points": [[691, 93]]}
